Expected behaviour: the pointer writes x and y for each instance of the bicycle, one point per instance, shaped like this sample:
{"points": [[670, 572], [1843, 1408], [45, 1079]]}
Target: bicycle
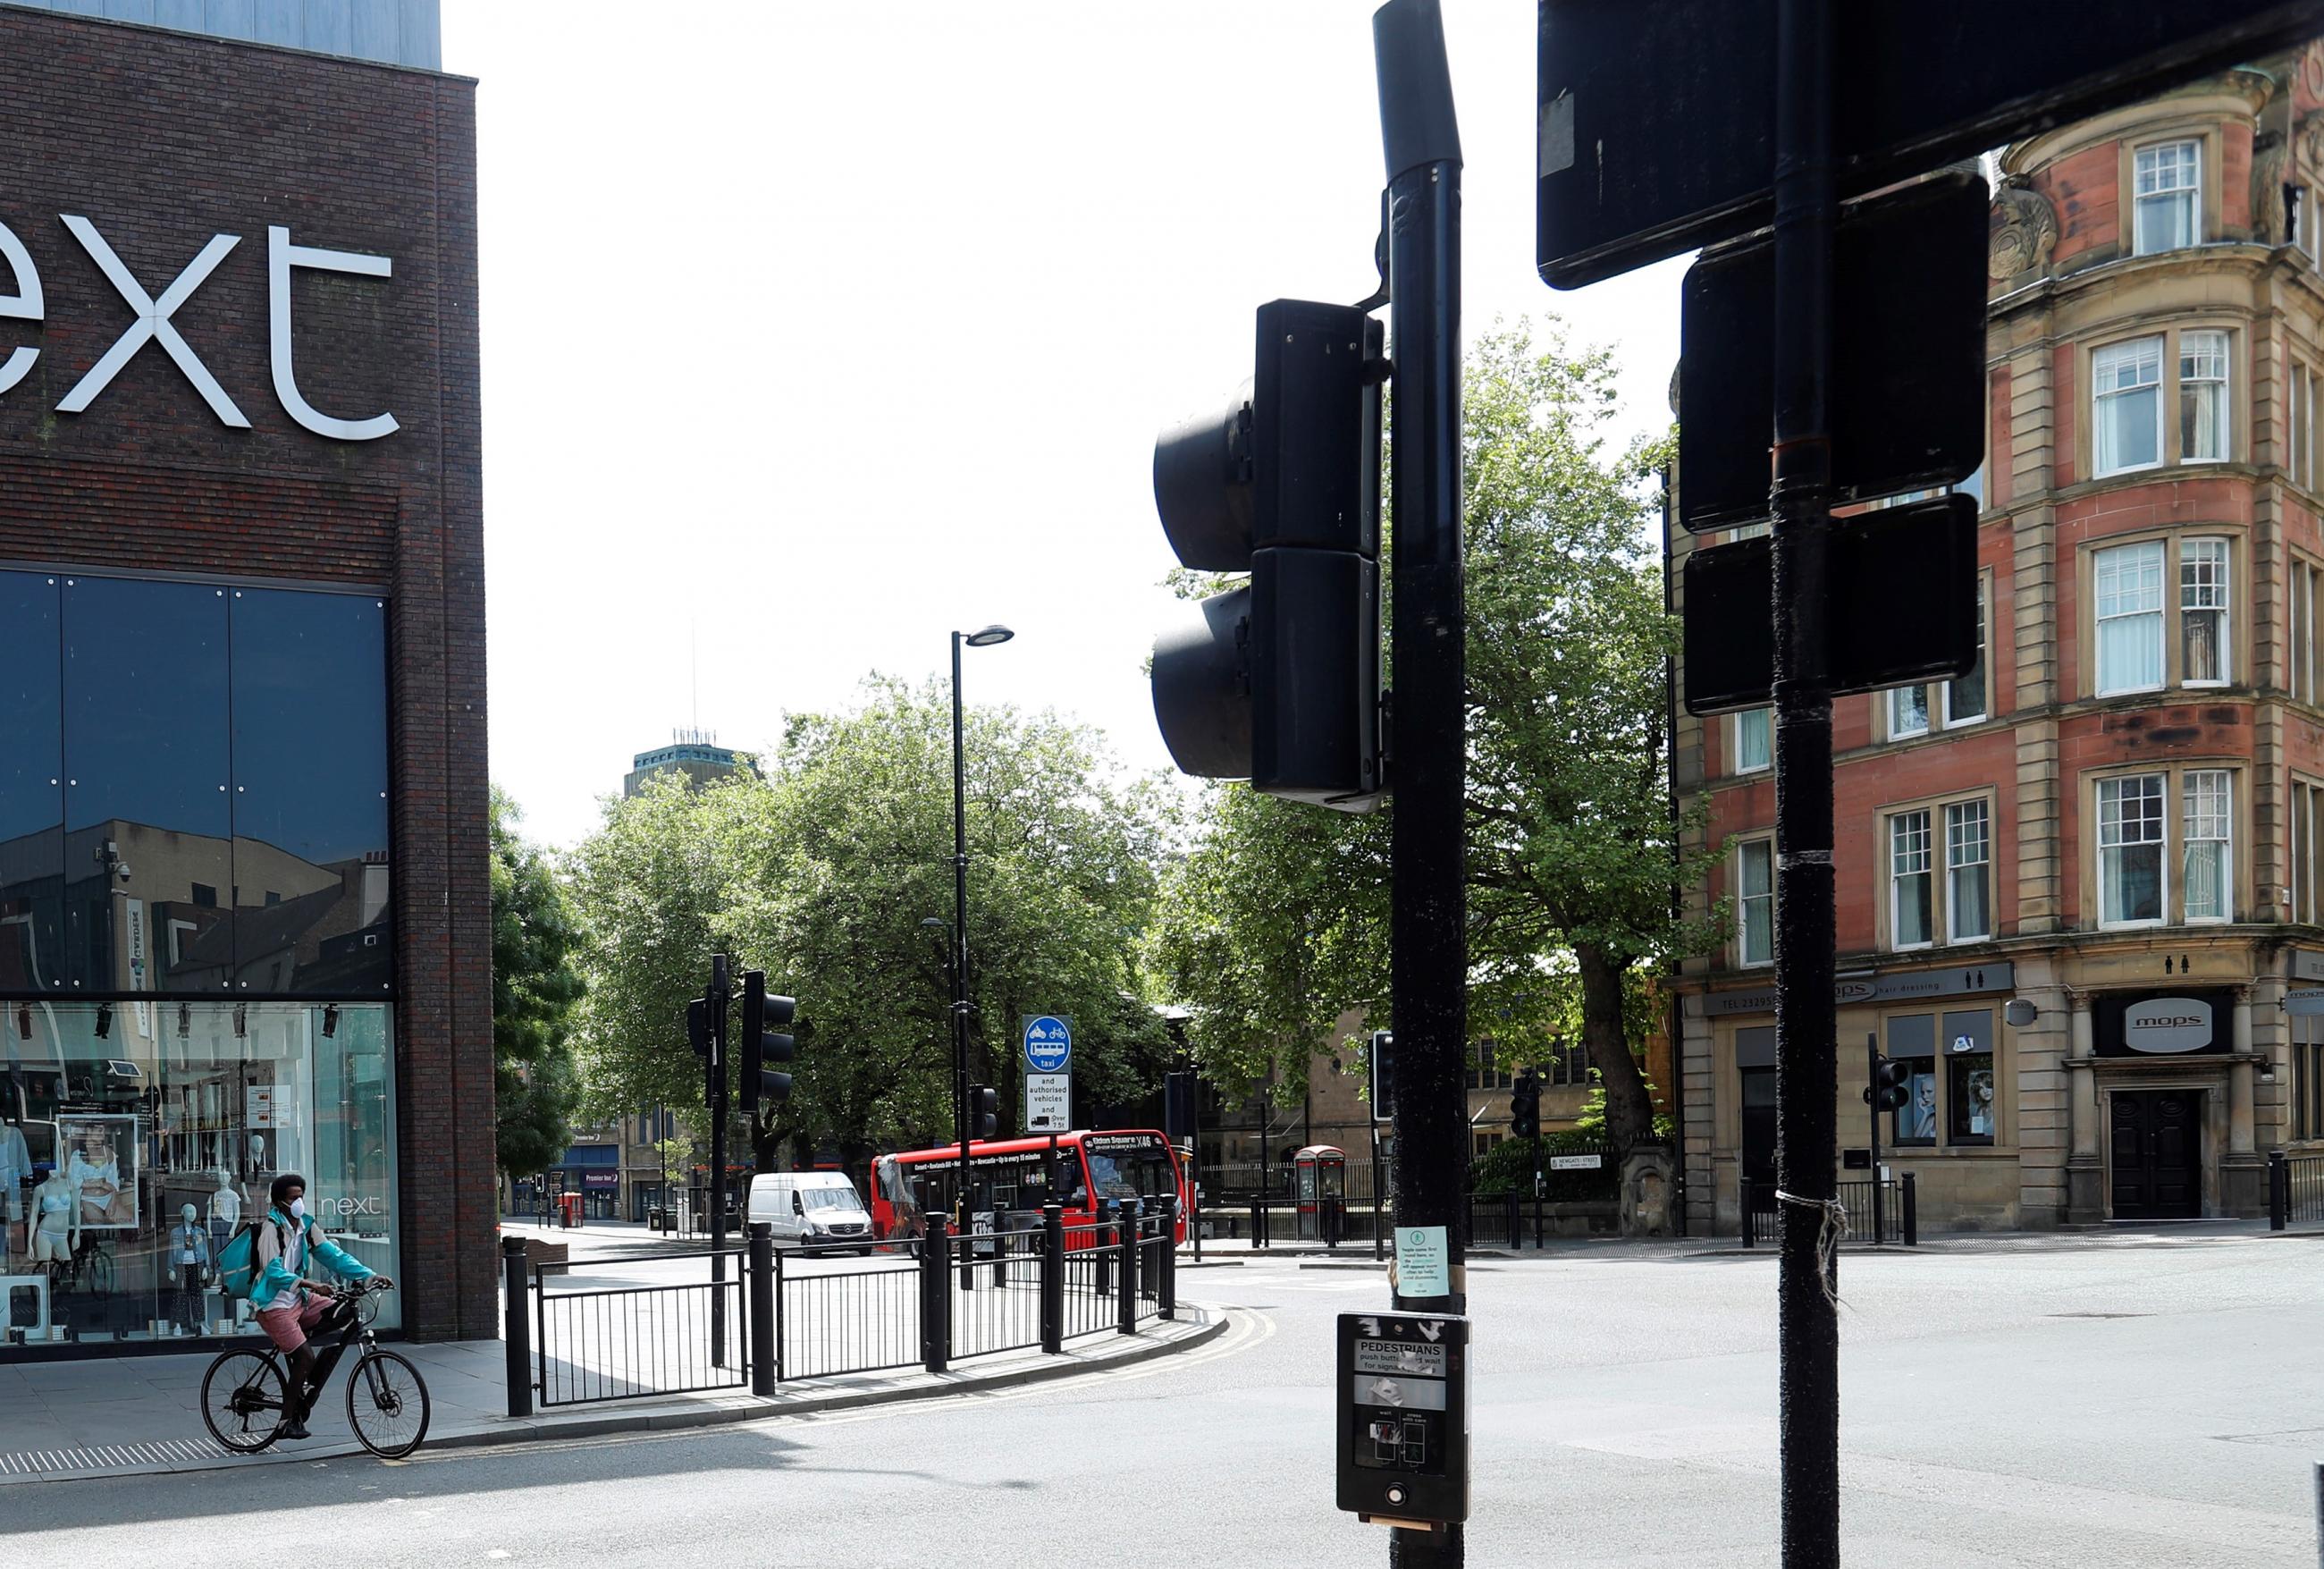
{"points": [[91, 1258], [244, 1393]]}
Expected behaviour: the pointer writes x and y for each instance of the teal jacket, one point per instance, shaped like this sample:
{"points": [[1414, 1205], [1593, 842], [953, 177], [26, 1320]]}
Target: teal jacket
{"points": [[275, 1276]]}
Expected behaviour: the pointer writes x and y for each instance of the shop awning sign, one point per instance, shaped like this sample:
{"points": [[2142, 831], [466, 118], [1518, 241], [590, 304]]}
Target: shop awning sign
{"points": [[2166, 1026]]}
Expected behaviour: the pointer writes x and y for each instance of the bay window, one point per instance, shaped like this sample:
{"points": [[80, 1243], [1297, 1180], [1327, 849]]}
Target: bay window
{"points": [[2202, 397], [2203, 611], [2126, 381], [2168, 201], [2130, 618], [2206, 835]]}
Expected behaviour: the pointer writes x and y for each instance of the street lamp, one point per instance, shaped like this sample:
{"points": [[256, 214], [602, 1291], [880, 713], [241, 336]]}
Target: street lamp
{"points": [[982, 638]]}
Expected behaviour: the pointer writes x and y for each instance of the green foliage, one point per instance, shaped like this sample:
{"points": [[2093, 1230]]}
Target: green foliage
{"points": [[822, 871], [1278, 916], [535, 990]]}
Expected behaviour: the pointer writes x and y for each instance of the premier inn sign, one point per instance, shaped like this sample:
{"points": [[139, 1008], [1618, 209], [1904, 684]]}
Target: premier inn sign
{"points": [[150, 324]]}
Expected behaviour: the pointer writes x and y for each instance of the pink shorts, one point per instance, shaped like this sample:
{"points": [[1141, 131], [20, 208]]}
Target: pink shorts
{"points": [[286, 1327]]}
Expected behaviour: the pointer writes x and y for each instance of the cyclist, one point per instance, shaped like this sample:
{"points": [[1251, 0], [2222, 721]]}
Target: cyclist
{"points": [[285, 1301]]}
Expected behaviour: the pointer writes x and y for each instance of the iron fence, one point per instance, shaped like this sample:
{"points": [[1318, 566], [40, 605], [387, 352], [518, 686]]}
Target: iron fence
{"points": [[2295, 1189], [1899, 1218], [834, 1314], [754, 1316], [593, 1344]]}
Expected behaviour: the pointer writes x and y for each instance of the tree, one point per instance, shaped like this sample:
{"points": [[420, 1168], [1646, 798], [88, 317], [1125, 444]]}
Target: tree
{"points": [[535, 987], [822, 872], [1278, 918]]}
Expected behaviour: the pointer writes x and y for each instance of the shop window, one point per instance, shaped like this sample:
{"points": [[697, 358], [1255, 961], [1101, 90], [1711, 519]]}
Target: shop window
{"points": [[2168, 201], [2130, 849], [1970, 1114], [2202, 397], [31, 785], [2306, 1078], [1754, 740], [1755, 900], [2129, 580], [121, 1118], [2128, 398], [1912, 1040]]}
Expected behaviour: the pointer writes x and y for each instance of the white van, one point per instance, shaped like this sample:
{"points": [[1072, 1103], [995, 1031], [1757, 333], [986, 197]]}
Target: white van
{"points": [[811, 1207]]}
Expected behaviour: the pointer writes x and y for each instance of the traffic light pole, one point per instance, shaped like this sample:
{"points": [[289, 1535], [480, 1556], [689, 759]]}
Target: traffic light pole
{"points": [[1806, 1052], [715, 1000], [1428, 976], [1872, 1105]]}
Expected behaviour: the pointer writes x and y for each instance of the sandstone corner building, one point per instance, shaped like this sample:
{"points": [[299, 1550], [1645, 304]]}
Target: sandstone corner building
{"points": [[243, 897]]}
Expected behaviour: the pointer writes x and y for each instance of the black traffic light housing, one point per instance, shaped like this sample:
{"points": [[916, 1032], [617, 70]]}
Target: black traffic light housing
{"points": [[1278, 682], [763, 1041], [983, 1111], [1891, 1084], [1525, 1106]]}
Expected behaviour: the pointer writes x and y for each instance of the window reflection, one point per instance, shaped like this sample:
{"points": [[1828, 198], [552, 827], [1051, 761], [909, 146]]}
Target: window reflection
{"points": [[309, 683], [146, 769], [31, 786]]}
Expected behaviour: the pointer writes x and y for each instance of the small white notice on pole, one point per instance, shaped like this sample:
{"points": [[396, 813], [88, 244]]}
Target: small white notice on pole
{"points": [[1422, 1270]]}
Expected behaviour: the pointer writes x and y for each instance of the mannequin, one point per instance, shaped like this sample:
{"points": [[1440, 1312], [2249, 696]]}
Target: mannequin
{"points": [[56, 1220], [226, 1207], [257, 1153], [16, 1170], [190, 1254]]}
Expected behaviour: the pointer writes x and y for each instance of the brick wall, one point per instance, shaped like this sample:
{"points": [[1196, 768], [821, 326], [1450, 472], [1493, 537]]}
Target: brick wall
{"points": [[162, 141]]}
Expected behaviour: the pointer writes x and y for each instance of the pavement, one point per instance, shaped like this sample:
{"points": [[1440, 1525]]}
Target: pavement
{"points": [[131, 1415]]}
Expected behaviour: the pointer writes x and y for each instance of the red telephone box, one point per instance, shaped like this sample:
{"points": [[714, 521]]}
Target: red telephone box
{"points": [[1321, 1174]]}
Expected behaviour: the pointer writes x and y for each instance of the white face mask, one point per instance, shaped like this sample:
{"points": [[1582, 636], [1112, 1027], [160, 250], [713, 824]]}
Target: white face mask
{"points": [[298, 1209]]}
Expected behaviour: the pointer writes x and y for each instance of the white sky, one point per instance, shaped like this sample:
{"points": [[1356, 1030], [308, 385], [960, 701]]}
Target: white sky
{"points": [[830, 328]]}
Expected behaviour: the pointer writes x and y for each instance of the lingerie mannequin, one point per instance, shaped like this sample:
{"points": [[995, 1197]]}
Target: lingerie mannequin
{"points": [[56, 1220], [16, 1170]]}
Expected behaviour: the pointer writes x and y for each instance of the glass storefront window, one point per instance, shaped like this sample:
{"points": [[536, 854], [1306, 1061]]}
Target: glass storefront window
{"points": [[117, 1119], [31, 786]]}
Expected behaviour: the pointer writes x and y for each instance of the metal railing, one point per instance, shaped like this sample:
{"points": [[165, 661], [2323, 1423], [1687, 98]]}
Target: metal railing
{"points": [[808, 1313], [627, 1343], [1900, 1217], [836, 1315], [2295, 1189]]}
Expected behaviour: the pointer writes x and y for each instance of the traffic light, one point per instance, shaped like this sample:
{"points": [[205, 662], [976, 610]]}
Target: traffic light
{"points": [[764, 1042], [1891, 1084], [983, 1111], [1278, 682], [1383, 1042], [697, 1036], [1525, 1106]]}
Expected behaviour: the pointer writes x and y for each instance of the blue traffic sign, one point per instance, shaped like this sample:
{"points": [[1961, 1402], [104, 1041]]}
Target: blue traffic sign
{"points": [[1049, 1045]]}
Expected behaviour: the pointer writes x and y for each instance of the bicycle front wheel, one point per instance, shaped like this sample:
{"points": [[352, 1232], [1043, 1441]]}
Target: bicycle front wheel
{"points": [[387, 1404], [243, 1400]]}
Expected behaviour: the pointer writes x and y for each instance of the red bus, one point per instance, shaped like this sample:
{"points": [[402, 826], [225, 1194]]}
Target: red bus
{"points": [[1012, 1179]]}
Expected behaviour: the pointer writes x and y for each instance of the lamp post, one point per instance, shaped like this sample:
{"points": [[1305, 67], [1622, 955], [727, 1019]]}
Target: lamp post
{"points": [[984, 637]]}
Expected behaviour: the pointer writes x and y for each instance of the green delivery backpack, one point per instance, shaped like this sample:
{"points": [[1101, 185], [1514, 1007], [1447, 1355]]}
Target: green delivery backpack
{"points": [[237, 1262]]}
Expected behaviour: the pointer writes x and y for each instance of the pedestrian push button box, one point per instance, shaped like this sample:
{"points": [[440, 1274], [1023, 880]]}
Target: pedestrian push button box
{"points": [[1404, 1418]]}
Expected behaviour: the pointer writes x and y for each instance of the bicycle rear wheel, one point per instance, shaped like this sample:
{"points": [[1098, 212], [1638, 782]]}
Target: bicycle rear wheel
{"points": [[243, 1400], [387, 1404]]}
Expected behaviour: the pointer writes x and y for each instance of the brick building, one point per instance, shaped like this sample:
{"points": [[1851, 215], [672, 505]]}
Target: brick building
{"points": [[2112, 820], [244, 900]]}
